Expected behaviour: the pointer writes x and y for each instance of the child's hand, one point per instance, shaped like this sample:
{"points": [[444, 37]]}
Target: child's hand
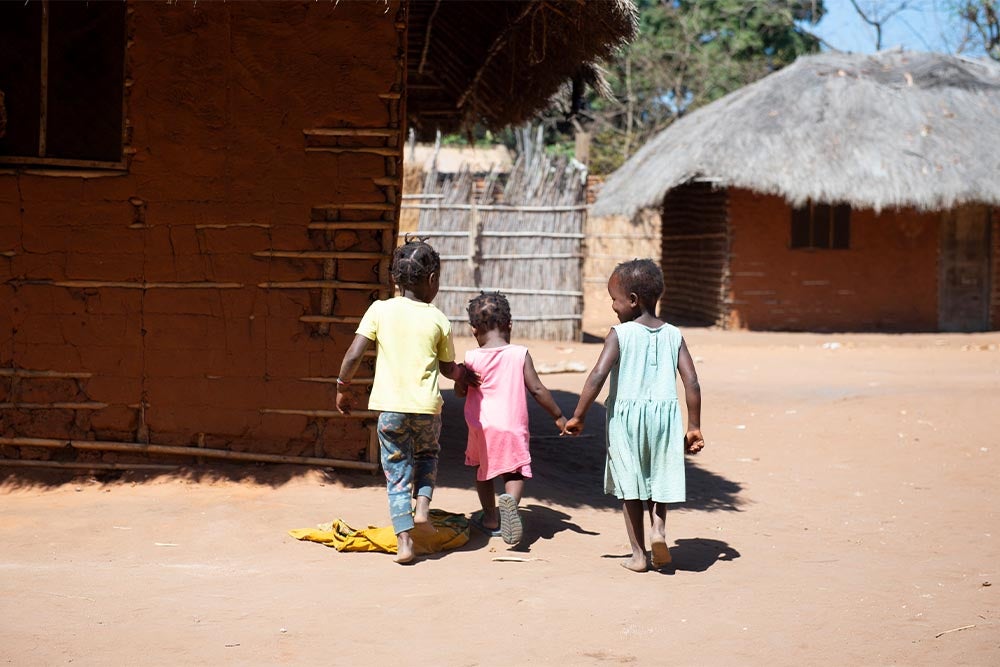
{"points": [[345, 402], [573, 427], [561, 424], [470, 377], [693, 441]]}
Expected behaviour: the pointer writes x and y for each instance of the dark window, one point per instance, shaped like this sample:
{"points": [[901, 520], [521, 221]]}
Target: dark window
{"points": [[821, 226], [62, 78]]}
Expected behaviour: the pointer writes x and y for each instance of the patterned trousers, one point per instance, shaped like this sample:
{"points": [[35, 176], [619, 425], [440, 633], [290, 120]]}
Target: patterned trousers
{"points": [[409, 445]]}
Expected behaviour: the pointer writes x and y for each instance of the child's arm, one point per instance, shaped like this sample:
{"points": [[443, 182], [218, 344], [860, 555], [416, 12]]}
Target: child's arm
{"points": [[459, 373], [461, 386], [348, 367], [595, 381], [693, 440], [541, 394]]}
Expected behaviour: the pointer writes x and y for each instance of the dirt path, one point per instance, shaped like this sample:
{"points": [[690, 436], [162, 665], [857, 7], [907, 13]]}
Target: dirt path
{"points": [[844, 512]]}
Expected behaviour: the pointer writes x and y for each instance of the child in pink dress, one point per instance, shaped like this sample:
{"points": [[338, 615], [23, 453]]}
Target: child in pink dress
{"points": [[497, 415]]}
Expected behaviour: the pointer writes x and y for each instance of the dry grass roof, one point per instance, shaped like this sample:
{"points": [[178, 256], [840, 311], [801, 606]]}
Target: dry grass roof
{"points": [[889, 130], [498, 62]]}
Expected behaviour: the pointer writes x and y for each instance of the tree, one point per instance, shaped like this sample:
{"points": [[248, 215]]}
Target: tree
{"points": [[982, 23], [687, 54]]}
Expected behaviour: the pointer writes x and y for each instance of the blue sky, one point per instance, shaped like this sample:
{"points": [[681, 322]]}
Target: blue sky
{"points": [[924, 25]]}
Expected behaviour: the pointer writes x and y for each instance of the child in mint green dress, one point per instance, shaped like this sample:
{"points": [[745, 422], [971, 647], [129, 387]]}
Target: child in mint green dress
{"points": [[645, 438]]}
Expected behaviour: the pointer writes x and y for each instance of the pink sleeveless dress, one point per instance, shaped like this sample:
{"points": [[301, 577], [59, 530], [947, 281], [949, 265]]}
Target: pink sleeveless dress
{"points": [[497, 412]]}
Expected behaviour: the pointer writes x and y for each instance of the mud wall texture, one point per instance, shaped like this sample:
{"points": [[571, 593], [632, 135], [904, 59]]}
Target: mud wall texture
{"points": [[205, 296], [885, 281]]}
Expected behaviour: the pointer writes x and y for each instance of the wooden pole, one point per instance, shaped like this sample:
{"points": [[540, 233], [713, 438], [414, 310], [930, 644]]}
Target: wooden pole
{"points": [[108, 446], [80, 465]]}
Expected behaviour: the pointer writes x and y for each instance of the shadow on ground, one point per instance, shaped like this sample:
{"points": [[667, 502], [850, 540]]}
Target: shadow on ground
{"points": [[567, 471]]}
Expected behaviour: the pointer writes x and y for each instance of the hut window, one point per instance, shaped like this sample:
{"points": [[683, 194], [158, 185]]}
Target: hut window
{"points": [[62, 77], [821, 226]]}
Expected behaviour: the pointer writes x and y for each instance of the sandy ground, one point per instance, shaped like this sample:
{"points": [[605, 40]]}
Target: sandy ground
{"points": [[845, 511]]}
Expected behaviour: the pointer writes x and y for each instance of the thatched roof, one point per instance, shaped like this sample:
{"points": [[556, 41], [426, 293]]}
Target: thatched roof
{"points": [[499, 61], [889, 130]]}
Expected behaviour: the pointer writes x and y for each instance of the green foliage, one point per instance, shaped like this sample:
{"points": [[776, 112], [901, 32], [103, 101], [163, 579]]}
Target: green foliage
{"points": [[687, 54]]}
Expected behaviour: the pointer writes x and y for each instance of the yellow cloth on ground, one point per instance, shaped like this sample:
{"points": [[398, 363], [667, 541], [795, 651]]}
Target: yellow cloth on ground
{"points": [[450, 532]]}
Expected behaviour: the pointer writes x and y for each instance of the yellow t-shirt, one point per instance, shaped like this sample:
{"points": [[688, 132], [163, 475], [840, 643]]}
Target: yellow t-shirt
{"points": [[411, 337]]}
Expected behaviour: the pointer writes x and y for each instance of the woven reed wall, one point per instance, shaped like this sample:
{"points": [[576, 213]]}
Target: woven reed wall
{"points": [[523, 237]]}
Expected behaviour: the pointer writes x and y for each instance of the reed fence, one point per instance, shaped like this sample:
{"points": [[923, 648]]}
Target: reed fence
{"points": [[522, 235]]}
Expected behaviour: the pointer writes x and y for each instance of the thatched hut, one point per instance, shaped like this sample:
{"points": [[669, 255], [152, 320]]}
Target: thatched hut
{"points": [[844, 192], [199, 200]]}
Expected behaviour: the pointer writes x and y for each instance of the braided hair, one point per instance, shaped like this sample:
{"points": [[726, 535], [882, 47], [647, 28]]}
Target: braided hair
{"points": [[413, 262], [643, 277], [488, 311]]}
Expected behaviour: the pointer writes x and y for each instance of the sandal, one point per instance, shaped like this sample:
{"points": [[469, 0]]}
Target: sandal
{"points": [[476, 521], [511, 528]]}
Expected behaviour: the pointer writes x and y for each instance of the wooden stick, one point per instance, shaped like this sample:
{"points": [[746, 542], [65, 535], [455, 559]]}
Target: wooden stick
{"points": [[497, 207], [61, 162], [262, 225], [329, 380], [363, 206], [96, 465], [103, 445], [332, 319], [93, 405], [376, 150], [318, 254], [25, 373], [321, 284], [513, 290], [351, 132], [964, 627], [353, 226], [328, 414], [85, 284]]}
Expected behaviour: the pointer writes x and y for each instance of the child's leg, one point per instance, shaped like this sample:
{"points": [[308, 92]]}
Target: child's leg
{"points": [[397, 462], [658, 533], [488, 501], [513, 484], [426, 431], [634, 519]]}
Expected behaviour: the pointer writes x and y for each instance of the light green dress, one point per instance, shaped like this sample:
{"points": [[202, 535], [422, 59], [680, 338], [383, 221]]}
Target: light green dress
{"points": [[645, 436]]}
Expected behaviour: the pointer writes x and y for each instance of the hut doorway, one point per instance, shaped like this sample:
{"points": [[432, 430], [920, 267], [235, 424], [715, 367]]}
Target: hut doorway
{"points": [[963, 299], [695, 249]]}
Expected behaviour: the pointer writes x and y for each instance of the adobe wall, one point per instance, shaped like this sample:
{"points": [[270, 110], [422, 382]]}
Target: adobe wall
{"points": [[886, 281], [146, 306]]}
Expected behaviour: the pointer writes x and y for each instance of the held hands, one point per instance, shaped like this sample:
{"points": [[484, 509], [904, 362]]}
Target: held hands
{"points": [[573, 427], [694, 442], [561, 424], [469, 377]]}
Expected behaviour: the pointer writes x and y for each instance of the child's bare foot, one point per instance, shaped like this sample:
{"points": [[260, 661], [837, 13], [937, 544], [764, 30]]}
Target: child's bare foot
{"points": [[637, 563], [422, 510], [404, 547], [661, 553]]}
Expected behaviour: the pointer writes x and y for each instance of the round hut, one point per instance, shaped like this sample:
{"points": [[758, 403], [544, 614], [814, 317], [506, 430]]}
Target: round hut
{"points": [[845, 192]]}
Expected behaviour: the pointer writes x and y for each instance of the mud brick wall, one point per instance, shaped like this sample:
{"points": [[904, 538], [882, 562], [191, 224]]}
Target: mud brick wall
{"points": [[885, 281], [206, 296]]}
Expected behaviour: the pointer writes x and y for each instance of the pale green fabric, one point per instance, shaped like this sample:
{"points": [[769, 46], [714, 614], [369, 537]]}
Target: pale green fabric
{"points": [[645, 436]]}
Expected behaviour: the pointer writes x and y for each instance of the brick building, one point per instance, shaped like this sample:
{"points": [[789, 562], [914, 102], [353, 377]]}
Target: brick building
{"points": [[842, 193], [199, 200]]}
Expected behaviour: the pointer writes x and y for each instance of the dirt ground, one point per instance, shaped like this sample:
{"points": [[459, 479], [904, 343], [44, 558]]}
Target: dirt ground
{"points": [[845, 511]]}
